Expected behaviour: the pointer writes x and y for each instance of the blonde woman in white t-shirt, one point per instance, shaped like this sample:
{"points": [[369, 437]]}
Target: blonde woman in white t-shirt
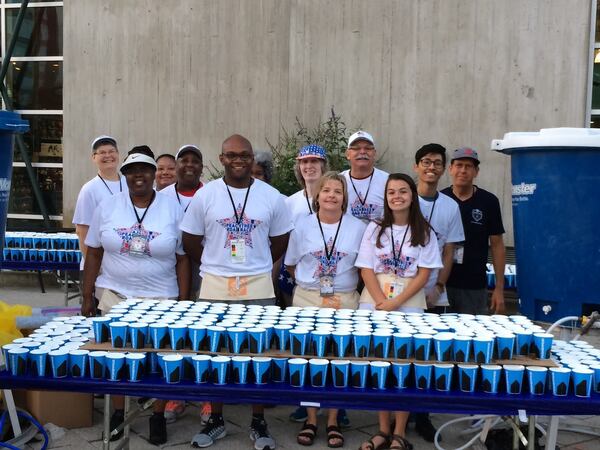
{"points": [[396, 257]]}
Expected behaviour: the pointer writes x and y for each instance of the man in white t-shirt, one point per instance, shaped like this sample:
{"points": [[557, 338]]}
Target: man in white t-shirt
{"points": [[107, 183], [443, 215], [188, 169], [366, 184], [236, 227]]}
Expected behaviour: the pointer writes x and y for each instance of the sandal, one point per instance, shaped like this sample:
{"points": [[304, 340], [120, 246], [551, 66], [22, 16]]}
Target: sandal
{"points": [[404, 444], [307, 434], [371, 445], [333, 434]]}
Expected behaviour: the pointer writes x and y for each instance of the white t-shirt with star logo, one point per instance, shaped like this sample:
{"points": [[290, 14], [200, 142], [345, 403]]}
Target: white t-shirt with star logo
{"points": [[139, 260], [381, 260], [298, 206], [372, 209], [306, 251], [211, 215]]}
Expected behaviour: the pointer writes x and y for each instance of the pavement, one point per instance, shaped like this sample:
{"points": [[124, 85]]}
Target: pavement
{"points": [[574, 431]]}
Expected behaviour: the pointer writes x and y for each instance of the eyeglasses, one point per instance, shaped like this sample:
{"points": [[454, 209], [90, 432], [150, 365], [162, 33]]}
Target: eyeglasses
{"points": [[106, 153], [438, 164], [245, 157]]}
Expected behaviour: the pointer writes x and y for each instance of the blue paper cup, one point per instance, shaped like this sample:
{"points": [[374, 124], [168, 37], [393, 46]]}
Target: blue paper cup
{"points": [[490, 378], [257, 339], [382, 341], [201, 368], [340, 343], [220, 369], [359, 371], [542, 344], [505, 344], [279, 370], [559, 380], [320, 342], [582, 381], [115, 364], [215, 335], [5, 349], [18, 361], [461, 346], [442, 344], [467, 377], [101, 330], [403, 345], [423, 375], [197, 336], [379, 374], [137, 334], [596, 378], [59, 361], [513, 375], [281, 336], [361, 342], [537, 379], [340, 372], [158, 334], [97, 364], [78, 363], [118, 334], [483, 349], [422, 346], [442, 375], [299, 339], [177, 335], [239, 369], [236, 339], [318, 372], [262, 369], [400, 374], [173, 368], [523, 340], [38, 362], [135, 363], [297, 371]]}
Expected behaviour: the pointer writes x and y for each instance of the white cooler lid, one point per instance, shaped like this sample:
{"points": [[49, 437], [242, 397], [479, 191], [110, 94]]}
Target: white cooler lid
{"points": [[549, 137]]}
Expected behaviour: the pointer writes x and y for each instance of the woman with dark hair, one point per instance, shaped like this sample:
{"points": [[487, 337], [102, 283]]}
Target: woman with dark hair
{"points": [[396, 257]]}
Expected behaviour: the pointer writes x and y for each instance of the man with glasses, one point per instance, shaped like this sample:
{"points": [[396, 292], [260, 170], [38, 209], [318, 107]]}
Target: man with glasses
{"points": [[366, 184], [443, 215], [236, 227], [482, 220]]}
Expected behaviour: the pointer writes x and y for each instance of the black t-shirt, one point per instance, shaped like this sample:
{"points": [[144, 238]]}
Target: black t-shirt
{"points": [[481, 218]]}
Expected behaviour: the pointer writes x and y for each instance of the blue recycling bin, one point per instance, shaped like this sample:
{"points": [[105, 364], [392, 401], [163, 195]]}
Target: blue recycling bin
{"points": [[10, 123], [556, 217]]}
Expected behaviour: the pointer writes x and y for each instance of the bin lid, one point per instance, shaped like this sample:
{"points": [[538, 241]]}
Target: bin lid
{"points": [[548, 138], [11, 121]]}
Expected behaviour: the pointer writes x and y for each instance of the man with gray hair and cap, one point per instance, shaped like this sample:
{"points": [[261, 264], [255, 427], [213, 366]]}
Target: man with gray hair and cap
{"points": [[366, 184], [482, 222]]}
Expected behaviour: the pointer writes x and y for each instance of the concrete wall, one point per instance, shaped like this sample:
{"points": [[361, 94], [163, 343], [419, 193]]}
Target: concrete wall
{"points": [[458, 72]]}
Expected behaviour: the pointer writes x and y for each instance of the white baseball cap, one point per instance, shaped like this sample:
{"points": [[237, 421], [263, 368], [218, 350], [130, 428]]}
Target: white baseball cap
{"points": [[136, 158], [360, 134]]}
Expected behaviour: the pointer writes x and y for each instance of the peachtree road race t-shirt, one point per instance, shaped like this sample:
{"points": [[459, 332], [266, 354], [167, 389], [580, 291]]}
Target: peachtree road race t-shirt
{"points": [[365, 201], [298, 206], [139, 259], [211, 215]]}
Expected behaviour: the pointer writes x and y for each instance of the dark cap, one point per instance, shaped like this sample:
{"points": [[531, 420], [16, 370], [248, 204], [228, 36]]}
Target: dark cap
{"points": [[188, 148], [465, 153]]}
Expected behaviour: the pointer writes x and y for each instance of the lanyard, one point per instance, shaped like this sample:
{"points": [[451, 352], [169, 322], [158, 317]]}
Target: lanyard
{"points": [[310, 211], [431, 213], [105, 184], [179, 200], [397, 258], [145, 212], [239, 218], [328, 252], [362, 202]]}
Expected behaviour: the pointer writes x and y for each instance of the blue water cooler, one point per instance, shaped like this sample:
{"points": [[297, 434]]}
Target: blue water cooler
{"points": [[556, 217]]}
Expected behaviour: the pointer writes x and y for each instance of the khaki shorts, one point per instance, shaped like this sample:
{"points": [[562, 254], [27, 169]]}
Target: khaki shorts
{"points": [[249, 287], [305, 297], [416, 301]]}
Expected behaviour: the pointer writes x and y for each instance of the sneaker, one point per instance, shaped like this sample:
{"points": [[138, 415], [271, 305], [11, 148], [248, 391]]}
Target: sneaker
{"points": [[157, 429], [425, 428], [205, 412], [117, 418], [259, 433], [214, 429], [174, 409], [342, 419], [299, 415]]}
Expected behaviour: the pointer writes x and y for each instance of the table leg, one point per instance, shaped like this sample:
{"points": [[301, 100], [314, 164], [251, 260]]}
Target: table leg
{"points": [[531, 433], [107, 430], [12, 412], [41, 281], [552, 433], [66, 288], [126, 429]]}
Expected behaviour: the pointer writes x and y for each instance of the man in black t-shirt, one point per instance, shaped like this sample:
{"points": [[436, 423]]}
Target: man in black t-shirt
{"points": [[482, 222]]}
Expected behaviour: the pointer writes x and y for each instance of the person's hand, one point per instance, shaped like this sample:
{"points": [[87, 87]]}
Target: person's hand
{"points": [[386, 305], [497, 303], [88, 307], [432, 296]]}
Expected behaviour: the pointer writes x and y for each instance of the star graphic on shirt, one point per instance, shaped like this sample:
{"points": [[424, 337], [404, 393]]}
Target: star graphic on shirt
{"points": [[327, 266], [136, 231], [367, 211], [239, 230], [388, 264]]}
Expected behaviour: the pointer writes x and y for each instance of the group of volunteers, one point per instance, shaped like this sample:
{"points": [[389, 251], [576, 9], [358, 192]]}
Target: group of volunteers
{"points": [[359, 239]]}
